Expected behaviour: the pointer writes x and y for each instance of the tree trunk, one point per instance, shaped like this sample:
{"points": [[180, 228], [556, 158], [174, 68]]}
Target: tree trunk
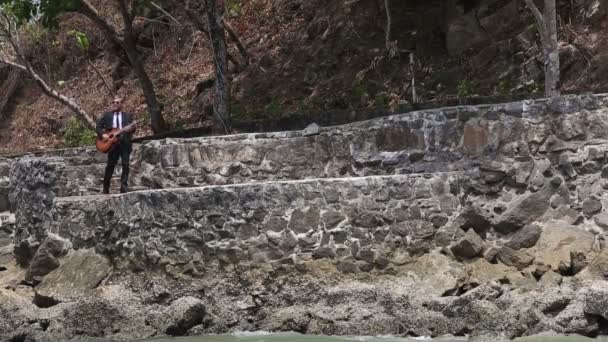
{"points": [[388, 25], [221, 105], [547, 28], [551, 50], [200, 25], [157, 120], [8, 89]]}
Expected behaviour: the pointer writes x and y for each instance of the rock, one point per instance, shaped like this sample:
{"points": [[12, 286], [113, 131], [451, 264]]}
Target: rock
{"points": [[80, 272], [472, 217], [591, 206], [578, 262], [324, 253], [510, 257], [438, 220], [45, 259], [469, 246], [347, 266], [304, 220], [312, 129], [490, 254], [596, 300], [525, 237], [598, 267], [524, 211], [601, 220], [550, 279], [182, 315], [558, 240], [444, 236]]}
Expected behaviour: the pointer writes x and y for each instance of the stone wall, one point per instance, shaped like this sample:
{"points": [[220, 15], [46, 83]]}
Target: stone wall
{"points": [[364, 222], [482, 220], [448, 139]]}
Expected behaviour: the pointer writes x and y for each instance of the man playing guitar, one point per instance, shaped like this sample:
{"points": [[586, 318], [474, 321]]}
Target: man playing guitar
{"points": [[116, 119]]}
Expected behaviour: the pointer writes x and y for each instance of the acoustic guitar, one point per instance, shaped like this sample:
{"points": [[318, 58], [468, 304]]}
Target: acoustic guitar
{"points": [[105, 145]]}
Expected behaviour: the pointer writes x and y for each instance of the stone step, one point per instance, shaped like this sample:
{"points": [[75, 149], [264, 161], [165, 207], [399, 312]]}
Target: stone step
{"points": [[447, 139], [260, 222]]}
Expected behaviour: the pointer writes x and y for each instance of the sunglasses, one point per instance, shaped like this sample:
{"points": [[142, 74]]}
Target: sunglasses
{"points": [[116, 102]]}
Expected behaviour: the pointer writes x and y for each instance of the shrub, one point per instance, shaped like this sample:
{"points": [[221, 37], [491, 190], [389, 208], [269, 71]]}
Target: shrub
{"points": [[76, 134]]}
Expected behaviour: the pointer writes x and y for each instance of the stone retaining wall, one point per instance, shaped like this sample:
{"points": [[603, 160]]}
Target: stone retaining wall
{"points": [[447, 139], [365, 222]]}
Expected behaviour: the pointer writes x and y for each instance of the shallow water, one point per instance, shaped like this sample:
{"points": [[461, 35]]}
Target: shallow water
{"points": [[261, 337]]}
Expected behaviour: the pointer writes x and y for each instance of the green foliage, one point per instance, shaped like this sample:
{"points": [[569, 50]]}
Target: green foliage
{"points": [[359, 95], [503, 87], [76, 134], [381, 99], [234, 8], [465, 88], [22, 10], [81, 39], [33, 31], [47, 10], [273, 109]]}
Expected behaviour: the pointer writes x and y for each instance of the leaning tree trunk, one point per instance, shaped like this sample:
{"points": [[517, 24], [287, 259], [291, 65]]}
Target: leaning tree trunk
{"points": [[8, 89], [547, 28], [221, 105], [157, 120]]}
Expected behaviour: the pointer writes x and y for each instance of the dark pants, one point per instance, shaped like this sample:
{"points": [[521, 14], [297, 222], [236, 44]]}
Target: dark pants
{"points": [[122, 151]]}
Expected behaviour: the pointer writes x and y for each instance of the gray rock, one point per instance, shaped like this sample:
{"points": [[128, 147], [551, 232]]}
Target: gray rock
{"points": [[312, 129], [304, 220], [79, 273], [596, 300], [511, 257], [470, 246], [524, 211], [601, 220], [591, 206], [182, 315], [525, 237], [45, 259]]}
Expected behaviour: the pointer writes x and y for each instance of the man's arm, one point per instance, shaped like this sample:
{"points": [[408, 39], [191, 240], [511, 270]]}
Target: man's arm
{"points": [[130, 120]]}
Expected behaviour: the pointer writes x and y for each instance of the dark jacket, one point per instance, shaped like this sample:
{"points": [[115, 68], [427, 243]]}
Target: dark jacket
{"points": [[106, 121]]}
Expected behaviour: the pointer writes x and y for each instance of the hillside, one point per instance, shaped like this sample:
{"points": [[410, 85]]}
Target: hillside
{"points": [[307, 56]]}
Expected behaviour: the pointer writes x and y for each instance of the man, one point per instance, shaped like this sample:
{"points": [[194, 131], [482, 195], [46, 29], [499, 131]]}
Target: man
{"points": [[117, 119]]}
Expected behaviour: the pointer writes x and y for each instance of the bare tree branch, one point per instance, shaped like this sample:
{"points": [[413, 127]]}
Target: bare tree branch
{"points": [[388, 24], [109, 32], [166, 13], [237, 41], [13, 40]]}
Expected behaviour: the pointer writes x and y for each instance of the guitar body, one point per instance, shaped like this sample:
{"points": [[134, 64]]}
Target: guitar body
{"points": [[105, 145]]}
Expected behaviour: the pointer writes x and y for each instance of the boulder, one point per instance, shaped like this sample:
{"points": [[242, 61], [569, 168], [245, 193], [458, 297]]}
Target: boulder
{"points": [[45, 259], [558, 240], [510, 257], [525, 237], [596, 300], [591, 206], [181, 316], [80, 272], [469, 246], [524, 210]]}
